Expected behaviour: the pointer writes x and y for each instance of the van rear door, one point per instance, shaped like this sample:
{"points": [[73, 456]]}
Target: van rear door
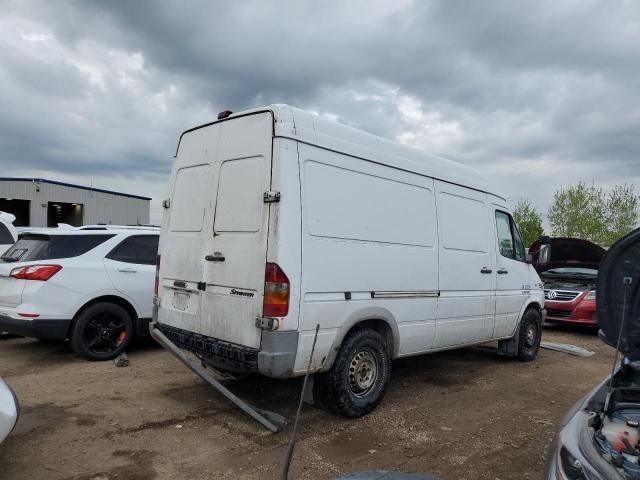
{"points": [[214, 236]]}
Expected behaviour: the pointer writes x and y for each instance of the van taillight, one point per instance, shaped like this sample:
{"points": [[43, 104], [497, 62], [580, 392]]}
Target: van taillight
{"points": [[35, 272], [276, 292], [156, 285]]}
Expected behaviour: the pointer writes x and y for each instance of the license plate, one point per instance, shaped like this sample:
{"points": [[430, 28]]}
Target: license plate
{"points": [[180, 300]]}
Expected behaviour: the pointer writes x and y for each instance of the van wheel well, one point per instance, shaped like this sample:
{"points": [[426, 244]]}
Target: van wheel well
{"points": [[379, 326], [533, 305], [108, 299]]}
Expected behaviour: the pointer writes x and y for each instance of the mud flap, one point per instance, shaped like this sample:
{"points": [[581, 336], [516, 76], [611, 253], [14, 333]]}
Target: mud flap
{"points": [[271, 421], [509, 347]]}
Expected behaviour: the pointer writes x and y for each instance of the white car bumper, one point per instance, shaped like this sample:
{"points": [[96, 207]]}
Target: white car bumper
{"points": [[9, 410]]}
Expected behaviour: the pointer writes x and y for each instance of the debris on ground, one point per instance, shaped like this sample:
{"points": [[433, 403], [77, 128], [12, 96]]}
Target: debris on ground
{"points": [[567, 348], [121, 360]]}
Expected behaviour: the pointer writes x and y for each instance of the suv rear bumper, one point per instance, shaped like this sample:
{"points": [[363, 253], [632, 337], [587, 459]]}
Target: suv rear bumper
{"points": [[35, 328]]}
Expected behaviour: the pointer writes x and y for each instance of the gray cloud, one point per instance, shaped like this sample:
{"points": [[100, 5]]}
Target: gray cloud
{"points": [[539, 94]]}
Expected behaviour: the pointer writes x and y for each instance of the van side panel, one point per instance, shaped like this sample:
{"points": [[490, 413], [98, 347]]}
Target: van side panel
{"points": [[284, 246], [466, 307], [369, 239]]}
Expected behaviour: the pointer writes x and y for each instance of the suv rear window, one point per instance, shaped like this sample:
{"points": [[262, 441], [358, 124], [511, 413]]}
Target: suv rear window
{"points": [[141, 249], [32, 247]]}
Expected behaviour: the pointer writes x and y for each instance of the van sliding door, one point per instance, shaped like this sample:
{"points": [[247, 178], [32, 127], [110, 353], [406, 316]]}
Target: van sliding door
{"points": [[466, 307]]}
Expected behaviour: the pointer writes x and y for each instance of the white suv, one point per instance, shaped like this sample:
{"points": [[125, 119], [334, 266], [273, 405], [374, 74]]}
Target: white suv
{"points": [[92, 285]]}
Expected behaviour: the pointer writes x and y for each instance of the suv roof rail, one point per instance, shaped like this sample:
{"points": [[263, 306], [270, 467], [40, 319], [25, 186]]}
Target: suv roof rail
{"points": [[119, 227]]}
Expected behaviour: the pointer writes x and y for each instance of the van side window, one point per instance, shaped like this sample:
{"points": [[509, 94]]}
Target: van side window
{"points": [[517, 240], [457, 213], [509, 240], [367, 216]]}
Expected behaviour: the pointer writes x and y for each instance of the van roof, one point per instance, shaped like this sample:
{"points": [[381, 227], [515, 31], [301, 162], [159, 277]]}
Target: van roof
{"points": [[308, 127]]}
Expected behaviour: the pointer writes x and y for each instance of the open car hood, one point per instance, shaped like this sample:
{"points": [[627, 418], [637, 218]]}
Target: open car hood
{"points": [[568, 252], [618, 295]]}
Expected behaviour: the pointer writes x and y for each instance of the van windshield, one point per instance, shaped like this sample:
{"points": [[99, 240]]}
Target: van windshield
{"points": [[32, 247]]}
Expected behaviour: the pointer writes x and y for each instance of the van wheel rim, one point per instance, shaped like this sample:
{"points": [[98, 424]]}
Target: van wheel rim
{"points": [[530, 335], [363, 372], [104, 333]]}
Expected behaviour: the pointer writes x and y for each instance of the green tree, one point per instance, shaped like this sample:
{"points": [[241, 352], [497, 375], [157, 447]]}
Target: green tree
{"points": [[529, 221], [579, 211], [621, 213]]}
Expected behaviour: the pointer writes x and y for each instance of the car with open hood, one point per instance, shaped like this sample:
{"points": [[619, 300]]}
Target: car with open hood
{"points": [[600, 438], [569, 270]]}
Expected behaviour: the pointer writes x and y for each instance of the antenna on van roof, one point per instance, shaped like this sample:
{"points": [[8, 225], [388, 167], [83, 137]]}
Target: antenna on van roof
{"points": [[292, 443]]}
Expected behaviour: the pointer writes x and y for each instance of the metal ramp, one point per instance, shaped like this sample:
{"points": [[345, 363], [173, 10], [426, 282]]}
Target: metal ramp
{"points": [[270, 420]]}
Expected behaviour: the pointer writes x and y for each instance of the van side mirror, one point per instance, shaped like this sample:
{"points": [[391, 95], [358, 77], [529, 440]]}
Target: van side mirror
{"points": [[544, 256]]}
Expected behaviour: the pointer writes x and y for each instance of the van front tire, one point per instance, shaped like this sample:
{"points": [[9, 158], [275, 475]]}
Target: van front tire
{"points": [[359, 376], [529, 335]]}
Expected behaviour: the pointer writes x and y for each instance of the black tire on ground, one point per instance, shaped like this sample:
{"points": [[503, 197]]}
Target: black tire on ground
{"points": [[359, 376], [102, 331], [530, 334]]}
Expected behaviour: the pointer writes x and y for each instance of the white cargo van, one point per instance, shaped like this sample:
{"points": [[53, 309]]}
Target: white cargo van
{"points": [[280, 220]]}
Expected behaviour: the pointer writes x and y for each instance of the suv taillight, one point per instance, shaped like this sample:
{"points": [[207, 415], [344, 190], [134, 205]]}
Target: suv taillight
{"points": [[276, 292], [35, 272], [156, 285]]}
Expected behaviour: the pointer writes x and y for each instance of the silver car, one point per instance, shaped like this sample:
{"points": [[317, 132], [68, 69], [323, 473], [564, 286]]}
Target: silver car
{"points": [[9, 410], [600, 437]]}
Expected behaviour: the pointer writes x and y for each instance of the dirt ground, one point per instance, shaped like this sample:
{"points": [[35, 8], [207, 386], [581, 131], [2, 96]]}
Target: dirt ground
{"points": [[463, 414]]}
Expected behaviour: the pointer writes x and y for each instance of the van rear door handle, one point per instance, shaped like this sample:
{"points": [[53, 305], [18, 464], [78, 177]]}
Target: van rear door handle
{"points": [[503, 271], [216, 257], [485, 270]]}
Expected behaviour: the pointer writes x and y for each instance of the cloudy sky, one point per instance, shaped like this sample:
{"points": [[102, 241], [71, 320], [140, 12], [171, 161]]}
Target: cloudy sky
{"points": [[537, 94]]}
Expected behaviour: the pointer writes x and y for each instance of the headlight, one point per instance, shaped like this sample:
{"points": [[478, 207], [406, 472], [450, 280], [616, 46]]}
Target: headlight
{"points": [[591, 295], [568, 468]]}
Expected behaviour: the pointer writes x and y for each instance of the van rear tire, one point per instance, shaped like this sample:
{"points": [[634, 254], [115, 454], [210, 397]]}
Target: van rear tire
{"points": [[529, 335], [359, 376]]}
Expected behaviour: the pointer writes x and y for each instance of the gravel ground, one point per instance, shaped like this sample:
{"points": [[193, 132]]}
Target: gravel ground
{"points": [[464, 414]]}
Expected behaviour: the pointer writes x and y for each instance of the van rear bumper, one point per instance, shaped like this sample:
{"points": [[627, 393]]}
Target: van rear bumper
{"points": [[277, 355], [218, 354], [276, 358]]}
